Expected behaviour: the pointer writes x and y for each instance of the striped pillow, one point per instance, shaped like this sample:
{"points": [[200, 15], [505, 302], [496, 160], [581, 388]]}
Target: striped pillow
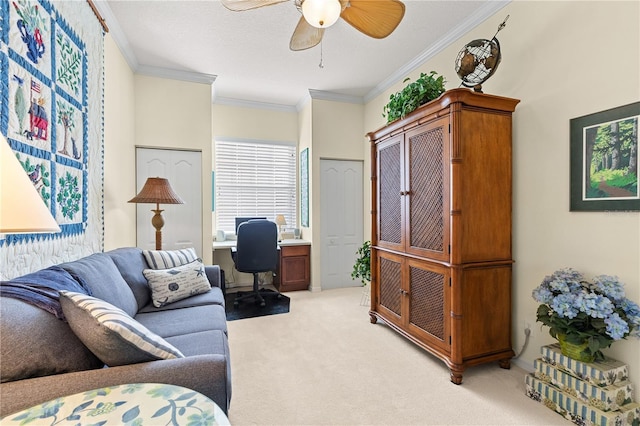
{"points": [[165, 259], [111, 334]]}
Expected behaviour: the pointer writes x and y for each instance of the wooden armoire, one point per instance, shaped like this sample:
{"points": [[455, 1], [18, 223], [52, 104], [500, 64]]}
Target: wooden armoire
{"points": [[441, 233]]}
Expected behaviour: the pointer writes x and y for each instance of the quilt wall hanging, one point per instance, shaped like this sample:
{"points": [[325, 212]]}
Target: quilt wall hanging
{"points": [[51, 111]]}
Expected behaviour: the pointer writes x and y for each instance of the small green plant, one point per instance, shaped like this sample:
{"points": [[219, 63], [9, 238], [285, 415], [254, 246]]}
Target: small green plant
{"points": [[426, 88], [362, 267]]}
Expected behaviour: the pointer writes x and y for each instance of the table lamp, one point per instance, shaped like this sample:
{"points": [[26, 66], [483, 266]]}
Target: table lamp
{"points": [[22, 210], [281, 222], [157, 190]]}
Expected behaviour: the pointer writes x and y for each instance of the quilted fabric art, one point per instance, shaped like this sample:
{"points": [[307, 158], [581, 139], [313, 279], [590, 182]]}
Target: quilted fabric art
{"points": [[51, 108]]}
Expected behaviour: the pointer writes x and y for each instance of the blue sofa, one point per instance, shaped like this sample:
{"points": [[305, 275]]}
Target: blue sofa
{"points": [[41, 358]]}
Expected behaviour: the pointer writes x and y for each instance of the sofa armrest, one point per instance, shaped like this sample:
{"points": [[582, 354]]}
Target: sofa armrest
{"points": [[213, 274], [206, 374]]}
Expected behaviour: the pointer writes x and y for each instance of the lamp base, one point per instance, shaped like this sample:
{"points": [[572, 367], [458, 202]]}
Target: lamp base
{"points": [[158, 222]]}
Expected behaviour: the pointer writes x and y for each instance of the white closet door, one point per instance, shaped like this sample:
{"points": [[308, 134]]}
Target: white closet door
{"points": [[341, 224], [182, 222]]}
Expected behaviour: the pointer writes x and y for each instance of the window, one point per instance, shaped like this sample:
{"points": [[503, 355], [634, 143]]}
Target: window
{"points": [[254, 179]]}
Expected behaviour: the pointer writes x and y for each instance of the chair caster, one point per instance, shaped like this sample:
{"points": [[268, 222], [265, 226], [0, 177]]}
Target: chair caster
{"points": [[263, 304], [236, 303]]}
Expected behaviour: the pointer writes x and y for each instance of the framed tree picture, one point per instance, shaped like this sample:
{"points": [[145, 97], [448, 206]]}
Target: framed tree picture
{"points": [[604, 160]]}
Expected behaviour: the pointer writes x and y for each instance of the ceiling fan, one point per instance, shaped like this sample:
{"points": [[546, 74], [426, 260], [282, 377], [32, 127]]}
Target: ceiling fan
{"points": [[375, 18]]}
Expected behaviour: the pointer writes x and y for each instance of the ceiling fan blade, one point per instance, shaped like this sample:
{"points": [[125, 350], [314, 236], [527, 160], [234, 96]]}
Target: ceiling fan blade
{"points": [[240, 5], [375, 18], [305, 36]]}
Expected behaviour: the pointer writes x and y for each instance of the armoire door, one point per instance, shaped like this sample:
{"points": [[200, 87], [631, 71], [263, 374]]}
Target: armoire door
{"points": [[390, 193], [429, 302], [427, 200], [183, 222]]}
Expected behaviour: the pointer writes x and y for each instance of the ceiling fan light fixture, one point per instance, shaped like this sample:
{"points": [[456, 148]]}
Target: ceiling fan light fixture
{"points": [[321, 13]]}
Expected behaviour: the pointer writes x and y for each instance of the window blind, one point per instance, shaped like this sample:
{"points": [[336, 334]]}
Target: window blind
{"points": [[254, 179]]}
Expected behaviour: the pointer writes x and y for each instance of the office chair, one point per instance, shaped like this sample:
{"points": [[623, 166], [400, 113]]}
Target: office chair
{"points": [[256, 251]]}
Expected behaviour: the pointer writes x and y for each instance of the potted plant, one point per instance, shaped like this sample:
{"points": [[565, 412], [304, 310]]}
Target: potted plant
{"points": [[426, 88], [585, 316], [362, 267]]}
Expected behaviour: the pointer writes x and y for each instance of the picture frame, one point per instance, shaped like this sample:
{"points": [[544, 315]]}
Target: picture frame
{"points": [[604, 160]]}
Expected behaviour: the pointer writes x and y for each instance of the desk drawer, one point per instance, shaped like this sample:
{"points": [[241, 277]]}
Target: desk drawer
{"points": [[288, 251]]}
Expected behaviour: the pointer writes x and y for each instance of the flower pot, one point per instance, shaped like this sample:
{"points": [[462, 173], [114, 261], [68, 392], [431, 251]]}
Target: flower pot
{"points": [[574, 351]]}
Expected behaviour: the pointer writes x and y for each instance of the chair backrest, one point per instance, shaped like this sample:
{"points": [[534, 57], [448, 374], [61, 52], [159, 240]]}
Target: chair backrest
{"points": [[257, 246]]}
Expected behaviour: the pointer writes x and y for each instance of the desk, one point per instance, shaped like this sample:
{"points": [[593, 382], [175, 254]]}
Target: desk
{"points": [[294, 263], [146, 403]]}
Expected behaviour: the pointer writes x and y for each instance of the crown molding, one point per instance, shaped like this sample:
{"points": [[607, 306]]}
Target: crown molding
{"points": [[194, 77], [335, 97], [487, 10], [218, 100]]}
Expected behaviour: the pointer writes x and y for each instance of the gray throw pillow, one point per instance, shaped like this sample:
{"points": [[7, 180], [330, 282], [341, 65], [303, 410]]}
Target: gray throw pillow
{"points": [[111, 334], [171, 285]]}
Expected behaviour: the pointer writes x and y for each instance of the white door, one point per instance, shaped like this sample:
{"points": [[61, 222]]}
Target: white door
{"points": [[182, 222], [341, 224]]}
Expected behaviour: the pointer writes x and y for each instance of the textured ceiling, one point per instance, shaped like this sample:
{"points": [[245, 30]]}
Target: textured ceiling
{"points": [[248, 52]]}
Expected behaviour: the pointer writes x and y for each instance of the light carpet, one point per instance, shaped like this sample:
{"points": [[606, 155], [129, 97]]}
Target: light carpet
{"points": [[324, 363]]}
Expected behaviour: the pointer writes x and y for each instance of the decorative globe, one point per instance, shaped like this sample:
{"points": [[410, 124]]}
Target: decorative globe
{"points": [[477, 61]]}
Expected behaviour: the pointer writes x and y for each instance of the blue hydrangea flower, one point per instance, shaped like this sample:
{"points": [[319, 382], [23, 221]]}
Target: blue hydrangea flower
{"points": [[616, 326], [596, 305], [564, 306], [542, 294], [609, 286]]}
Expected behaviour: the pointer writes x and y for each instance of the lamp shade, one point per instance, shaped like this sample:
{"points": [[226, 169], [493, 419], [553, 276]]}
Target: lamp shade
{"points": [[157, 191], [321, 13], [280, 220], [22, 210]]}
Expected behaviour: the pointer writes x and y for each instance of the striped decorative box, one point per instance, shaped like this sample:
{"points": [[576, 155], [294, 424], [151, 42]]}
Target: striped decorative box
{"points": [[577, 411], [605, 398], [599, 373]]}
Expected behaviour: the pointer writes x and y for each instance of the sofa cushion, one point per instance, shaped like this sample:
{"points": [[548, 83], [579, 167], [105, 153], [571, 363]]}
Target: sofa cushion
{"points": [[111, 334], [35, 343], [163, 259], [130, 262], [176, 322], [212, 297], [104, 280], [177, 283]]}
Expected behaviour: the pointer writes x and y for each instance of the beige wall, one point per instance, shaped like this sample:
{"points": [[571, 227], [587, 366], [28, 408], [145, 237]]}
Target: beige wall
{"points": [[563, 60], [149, 112], [337, 131], [119, 154], [254, 124]]}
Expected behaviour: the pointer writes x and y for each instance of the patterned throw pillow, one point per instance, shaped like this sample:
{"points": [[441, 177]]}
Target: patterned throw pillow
{"points": [[163, 259], [111, 334], [171, 285]]}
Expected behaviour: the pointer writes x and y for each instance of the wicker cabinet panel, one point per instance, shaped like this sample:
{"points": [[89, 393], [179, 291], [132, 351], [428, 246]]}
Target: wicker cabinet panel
{"points": [[427, 301], [390, 198], [428, 190], [441, 228], [390, 284]]}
